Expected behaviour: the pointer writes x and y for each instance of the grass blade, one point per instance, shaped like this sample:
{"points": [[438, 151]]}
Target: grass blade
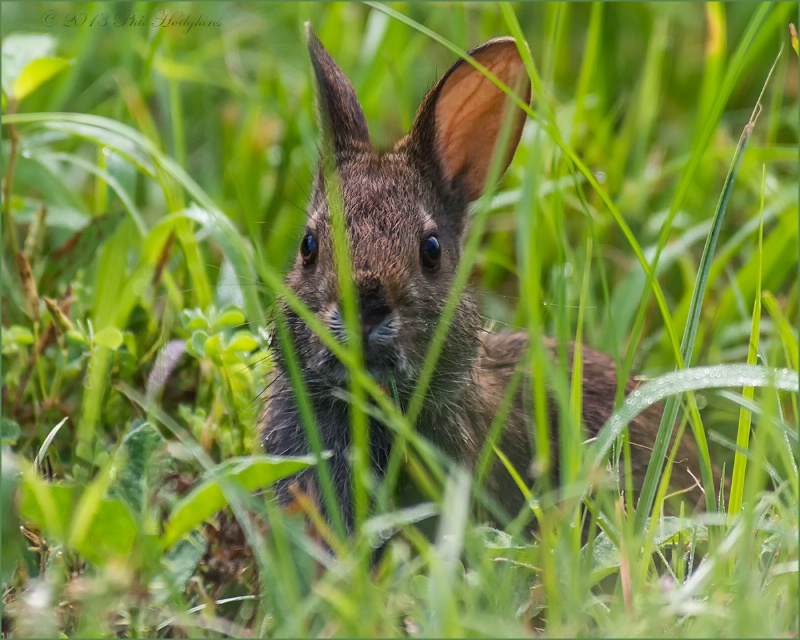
{"points": [[743, 431], [678, 382], [650, 483]]}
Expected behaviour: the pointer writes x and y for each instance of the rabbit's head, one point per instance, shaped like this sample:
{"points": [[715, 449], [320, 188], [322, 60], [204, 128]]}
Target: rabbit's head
{"points": [[405, 213]]}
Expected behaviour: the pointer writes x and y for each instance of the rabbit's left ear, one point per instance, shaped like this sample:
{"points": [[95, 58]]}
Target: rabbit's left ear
{"points": [[340, 113], [460, 120]]}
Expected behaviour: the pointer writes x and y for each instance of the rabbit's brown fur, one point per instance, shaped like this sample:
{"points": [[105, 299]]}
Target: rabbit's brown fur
{"points": [[393, 202]]}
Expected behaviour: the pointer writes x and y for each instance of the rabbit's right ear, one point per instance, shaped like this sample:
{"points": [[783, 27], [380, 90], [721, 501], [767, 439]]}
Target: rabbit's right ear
{"points": [[458, 124], [340, 114]]}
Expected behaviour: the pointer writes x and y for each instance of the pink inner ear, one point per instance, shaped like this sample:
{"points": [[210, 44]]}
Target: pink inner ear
{"points": [[469, 115]]}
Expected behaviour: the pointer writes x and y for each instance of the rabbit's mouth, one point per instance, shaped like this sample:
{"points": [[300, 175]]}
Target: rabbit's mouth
{"points": [[384, 356], [398, 372], [387, 365], [379, 338]]}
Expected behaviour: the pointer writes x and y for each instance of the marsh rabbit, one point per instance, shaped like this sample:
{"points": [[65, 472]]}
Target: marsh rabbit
{"points": [[406, 218]]}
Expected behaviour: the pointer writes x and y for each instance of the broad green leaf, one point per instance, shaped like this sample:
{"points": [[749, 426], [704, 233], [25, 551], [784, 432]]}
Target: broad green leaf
{"points": [[19, 50], [213, 347], [35, 74], [242, 341], [46, 505], [179, 564], [101, 527], [194, 319], [112, 532], [229, 318], [110, 337], [197, 344], [244, 473], [140, 444]]}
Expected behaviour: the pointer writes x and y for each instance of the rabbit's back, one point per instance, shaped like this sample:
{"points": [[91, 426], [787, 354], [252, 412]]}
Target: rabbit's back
{"points": [[499, 357]]}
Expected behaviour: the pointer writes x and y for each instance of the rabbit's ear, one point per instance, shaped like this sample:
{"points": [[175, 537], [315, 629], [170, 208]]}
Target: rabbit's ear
{"points": [[340, 113], [460, 120]]}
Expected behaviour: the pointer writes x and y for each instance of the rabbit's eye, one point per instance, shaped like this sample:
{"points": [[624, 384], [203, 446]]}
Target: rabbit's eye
{"points": [[430, 252], [309, 249]]}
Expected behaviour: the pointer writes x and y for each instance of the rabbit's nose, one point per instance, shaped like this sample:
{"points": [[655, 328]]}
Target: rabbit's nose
{"points": [[374, 311]]}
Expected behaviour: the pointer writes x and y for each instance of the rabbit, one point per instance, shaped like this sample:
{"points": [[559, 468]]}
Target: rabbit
{"points": [[406, 217]]}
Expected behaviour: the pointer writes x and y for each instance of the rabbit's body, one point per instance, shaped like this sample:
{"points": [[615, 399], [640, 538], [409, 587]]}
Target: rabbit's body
{"points": [[406, 215]]}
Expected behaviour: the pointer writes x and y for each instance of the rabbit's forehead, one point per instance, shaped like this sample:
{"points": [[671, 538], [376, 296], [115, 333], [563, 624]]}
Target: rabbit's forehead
{"points": [[381, 196]]}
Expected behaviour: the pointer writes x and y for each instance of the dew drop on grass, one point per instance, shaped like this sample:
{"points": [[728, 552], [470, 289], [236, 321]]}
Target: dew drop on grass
{"points": [[698, 378]]}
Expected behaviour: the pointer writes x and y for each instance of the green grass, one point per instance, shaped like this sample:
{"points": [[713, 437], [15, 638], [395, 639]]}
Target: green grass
{"points": [[155, 180]]}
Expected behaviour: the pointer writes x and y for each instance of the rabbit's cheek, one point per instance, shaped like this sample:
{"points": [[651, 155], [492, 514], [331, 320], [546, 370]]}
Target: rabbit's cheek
{"points": [[332, 317]]}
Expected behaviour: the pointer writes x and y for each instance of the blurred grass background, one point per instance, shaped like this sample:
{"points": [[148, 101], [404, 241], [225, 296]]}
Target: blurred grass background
{"points": [[651, 97]]}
